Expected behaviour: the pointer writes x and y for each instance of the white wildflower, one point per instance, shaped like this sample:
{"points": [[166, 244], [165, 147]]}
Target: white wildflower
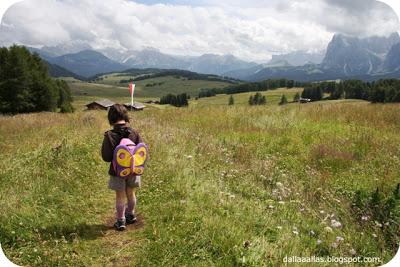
{"points": [[353, 251], [374, 235], [271, 207], [364, 218], [295, 232], [279, 227], [319, 242], [279, 184], [378, 224], [328, 229], [189, 157], [312, 232], [339, 239], [334, 245], [336, 224], [322, 211]]}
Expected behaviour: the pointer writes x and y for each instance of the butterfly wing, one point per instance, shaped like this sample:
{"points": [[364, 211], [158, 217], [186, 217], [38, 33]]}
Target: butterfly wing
{"points": [[140, 155], [123, 157]]}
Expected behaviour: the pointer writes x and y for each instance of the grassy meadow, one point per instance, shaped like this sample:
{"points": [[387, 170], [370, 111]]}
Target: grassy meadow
{"points": [[152, 87], [225, 185]]}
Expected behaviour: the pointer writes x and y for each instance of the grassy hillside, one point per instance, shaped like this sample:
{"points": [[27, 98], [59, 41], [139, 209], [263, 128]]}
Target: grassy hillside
{"points": [[240, 185], [273, 97], [159, 86]]}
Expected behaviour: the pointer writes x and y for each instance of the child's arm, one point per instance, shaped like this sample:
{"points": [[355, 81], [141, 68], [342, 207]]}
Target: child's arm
{"points": [[106, 149], [140, 140]]}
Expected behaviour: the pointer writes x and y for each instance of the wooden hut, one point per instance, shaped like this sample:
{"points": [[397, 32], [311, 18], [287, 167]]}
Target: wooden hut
{"points": [[100, 105], [304, 100], [135, 106]]}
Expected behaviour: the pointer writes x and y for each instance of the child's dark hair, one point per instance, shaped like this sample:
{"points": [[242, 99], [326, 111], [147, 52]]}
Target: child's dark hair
{"points": [[117, 112]]}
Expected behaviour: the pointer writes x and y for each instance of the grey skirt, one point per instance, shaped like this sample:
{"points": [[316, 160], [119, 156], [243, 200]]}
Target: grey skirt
{"points": [[120, 184]]}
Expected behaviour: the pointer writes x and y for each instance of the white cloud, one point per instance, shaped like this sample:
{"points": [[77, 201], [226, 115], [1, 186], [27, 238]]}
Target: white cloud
{"points": [[251, 31]]}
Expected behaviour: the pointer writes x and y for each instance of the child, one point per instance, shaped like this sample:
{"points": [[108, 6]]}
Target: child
{"points": [[124, 187]]}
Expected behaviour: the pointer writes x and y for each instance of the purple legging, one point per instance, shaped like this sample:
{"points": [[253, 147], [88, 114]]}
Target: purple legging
{"points": [[128, 209], [130, 206], [120, 210]]}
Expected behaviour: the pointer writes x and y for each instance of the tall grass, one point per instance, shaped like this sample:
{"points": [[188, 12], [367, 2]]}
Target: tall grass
{"points": [[239, 185]]}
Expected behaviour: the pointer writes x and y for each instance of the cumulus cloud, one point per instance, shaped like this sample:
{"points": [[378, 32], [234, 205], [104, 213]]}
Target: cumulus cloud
{"points": [[251, 30]]}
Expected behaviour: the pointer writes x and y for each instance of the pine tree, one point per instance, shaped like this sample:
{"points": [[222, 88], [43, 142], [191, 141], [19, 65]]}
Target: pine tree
{"points": [[65, 98], [296, 97], [231, 101], [26, 85], [257, 99], [283, 100], [251, 101], [175, 100], [263, 100]]}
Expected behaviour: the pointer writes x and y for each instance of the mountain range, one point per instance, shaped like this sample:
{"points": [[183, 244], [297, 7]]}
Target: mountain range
{"points": [[88, 63], [346, 57]]}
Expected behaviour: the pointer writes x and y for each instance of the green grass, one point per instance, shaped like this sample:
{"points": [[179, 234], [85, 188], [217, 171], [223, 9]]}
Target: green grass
{"points": [[273, 97], [225, 185], [157, 87]]}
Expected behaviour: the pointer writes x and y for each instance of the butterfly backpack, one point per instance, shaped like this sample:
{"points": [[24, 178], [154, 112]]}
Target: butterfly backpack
{"points": [[129, 158]]}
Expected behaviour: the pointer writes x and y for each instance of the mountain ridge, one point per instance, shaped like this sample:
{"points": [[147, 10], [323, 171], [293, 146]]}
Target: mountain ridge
{"points": [[345, 57]]}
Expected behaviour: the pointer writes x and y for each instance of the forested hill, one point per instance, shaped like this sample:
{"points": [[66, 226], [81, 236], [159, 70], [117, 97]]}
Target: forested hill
{"points": [[189, 75], [56, 71], [25, 84], [144, 74]]}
